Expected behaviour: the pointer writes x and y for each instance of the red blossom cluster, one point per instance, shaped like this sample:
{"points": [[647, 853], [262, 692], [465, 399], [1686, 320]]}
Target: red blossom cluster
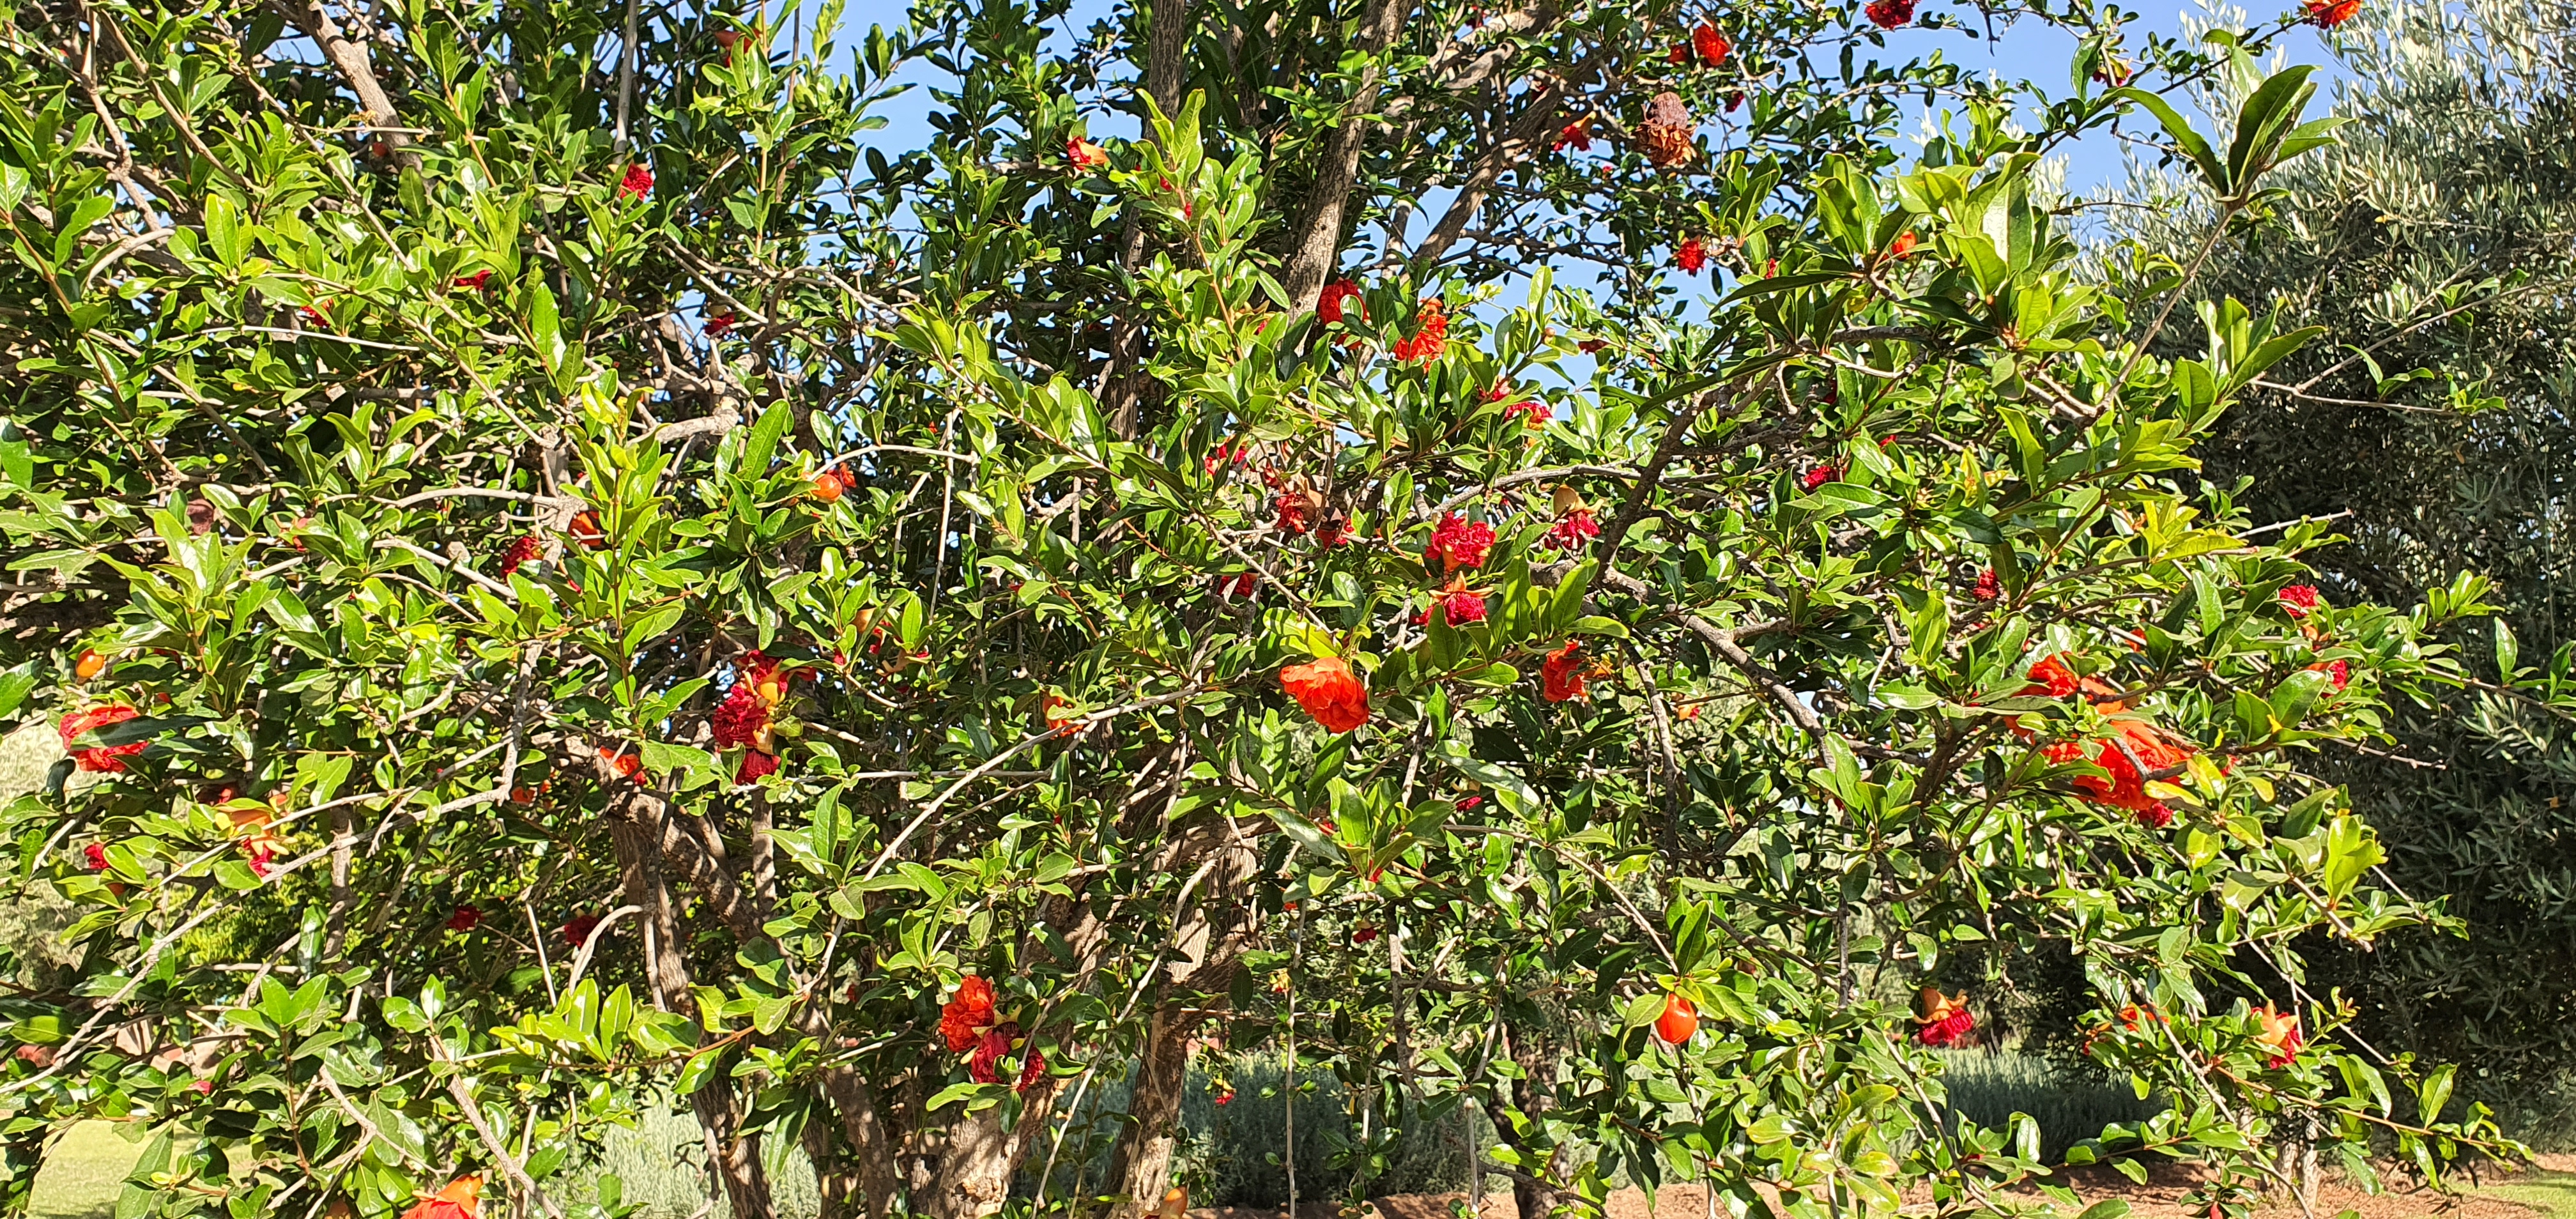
{"points": [[746, 719], [95, 856], [1706, 45], [637, 183], [1573, 529], [523, 549], [718, 326], [2128, 760], [1577, 135], [1329, 307], [1890, 14], [2299, 600], [1458, 544], [577, 929], [1989, 585], [1818, 476], [1690, 255], [98, 759], [1429, 338], [1459, 605]]}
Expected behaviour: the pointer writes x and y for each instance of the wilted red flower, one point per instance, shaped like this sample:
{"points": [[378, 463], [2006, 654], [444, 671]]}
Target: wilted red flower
{"points": [[755, 764], [1667, 131], [1819, 475], [718, 326], [2327, 14], [1989, 585], [464, 917], [1589, 346], [1577, 134], [1711, 46], [1329, 692], [1430, 337], [95, 855], [99, 759], [1292, 514], [477, 281], [637, 183], [1889, 14], [2280, 1034], [1690, 255], [1945, 1020], [577, 929], [1561, 674], [1459, 606], [1333, 532], [966, 1014], [35, 1056], [524, 550], [1084, 154], [2299, 600], [1576, 528], [1459, 544], [1329, 305]]}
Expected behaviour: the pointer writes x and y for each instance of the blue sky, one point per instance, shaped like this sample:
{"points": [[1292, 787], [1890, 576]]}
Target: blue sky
{"points": [[2027, 50]]}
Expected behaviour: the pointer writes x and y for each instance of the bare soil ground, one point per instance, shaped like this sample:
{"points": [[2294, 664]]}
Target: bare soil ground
{"points": [[2548, 1193]]}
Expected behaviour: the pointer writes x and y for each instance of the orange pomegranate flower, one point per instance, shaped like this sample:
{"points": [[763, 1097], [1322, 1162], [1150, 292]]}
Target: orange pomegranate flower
{"points": [[1561, 674], [1329, 691], [457, 1201], [964, 1018], [100, 759]]}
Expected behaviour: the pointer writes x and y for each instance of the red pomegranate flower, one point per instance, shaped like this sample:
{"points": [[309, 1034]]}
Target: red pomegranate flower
{"points": [[755, 765], [1945, 1020], [1430, 338], [2127, 760], [95, 855], [99, 759], [964, 1017], [1335, 531], [743, 717], [2339, 672], [584, 528], [1711, 46], [577, 929], [1989, 585], [2327, 14], [1690, 255], [1000, 1043], [524, 550], [1329, 306], [2052, 677], [1574, 529], [1460, 606], [1468, 804], [1364, 934], [2299, 600], [637, 183], [1329, 692], [477, 281], [2280, 1035], [1577, 135], [1561, 674], [1889, 14], [1819, 475], [457, 1201], [1084, 154], [1902, 246], [1531, 412], [1459, 544], [719, 326], [464, 917]]}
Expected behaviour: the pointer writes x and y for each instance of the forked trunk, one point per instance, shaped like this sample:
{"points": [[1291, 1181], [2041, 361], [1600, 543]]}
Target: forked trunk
{"points": [[973, 1179]]}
